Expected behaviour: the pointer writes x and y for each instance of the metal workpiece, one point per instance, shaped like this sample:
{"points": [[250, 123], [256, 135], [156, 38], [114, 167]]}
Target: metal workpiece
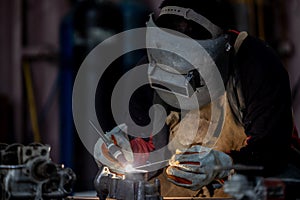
{"points": [[132, 185], [27, 172]]}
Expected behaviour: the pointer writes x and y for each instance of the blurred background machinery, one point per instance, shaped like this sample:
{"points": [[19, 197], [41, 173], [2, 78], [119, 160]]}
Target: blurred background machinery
{"points": [[27, 172], [258, 188]]}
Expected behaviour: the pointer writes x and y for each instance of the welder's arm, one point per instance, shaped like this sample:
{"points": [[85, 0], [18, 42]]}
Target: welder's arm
{"points": [[268, 115], [194, 168]]}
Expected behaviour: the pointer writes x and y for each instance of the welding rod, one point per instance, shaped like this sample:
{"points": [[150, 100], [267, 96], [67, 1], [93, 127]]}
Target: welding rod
{"points": [[238, 167], [113, 149], [151, 164]]}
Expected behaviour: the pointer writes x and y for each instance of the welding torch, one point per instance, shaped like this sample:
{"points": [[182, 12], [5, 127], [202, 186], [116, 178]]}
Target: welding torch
{"points": [[113, 149]]}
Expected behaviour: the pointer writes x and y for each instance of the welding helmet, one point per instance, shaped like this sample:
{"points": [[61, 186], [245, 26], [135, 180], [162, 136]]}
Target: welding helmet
{"points": [[187, 71]]}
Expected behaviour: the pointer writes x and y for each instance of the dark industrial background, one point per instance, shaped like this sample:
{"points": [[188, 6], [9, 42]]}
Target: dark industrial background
{"points": [[43, 42]]}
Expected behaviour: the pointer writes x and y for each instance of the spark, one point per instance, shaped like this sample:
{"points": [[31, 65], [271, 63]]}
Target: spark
{"points": [[129, 168]]}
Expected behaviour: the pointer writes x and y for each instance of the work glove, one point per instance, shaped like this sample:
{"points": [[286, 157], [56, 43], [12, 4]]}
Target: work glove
{"points": [[141, 150], [194, 168], [118, 136]]}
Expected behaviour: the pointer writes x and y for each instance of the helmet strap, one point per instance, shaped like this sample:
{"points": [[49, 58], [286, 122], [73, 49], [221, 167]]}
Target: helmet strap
{"points": [[190, 14]]}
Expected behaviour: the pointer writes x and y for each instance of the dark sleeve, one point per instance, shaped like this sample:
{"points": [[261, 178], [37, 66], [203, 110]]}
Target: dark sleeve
{"points": [[267, 117]]}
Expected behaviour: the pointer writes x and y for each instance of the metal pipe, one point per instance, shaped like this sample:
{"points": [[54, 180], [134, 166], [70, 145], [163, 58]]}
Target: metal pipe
{"points": [[12, 166]]}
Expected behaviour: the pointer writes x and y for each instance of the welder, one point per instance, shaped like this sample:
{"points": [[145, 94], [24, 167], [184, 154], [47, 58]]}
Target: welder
{"points": [[255, 106]]}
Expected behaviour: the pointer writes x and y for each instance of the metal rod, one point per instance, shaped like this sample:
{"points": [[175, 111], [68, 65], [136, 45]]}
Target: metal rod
{"points": [[165, 198], [150, 164], [103, 137], [12, 166], [238, 167]]}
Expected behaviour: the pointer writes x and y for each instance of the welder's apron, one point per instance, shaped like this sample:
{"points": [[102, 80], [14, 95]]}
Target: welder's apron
{"points": [[231, 137]]}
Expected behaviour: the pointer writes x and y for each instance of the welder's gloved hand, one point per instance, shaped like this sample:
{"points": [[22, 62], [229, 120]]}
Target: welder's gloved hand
{"points": [[118, 136], [141, 149], [194, 168]]}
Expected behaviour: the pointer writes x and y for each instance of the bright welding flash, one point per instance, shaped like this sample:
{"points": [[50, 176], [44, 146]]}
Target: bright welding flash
{"points": [[129, 168]]}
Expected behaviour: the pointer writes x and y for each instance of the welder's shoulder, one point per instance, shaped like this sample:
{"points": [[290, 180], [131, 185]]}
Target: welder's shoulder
{"points": [[259, 54], [258, 62]]}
